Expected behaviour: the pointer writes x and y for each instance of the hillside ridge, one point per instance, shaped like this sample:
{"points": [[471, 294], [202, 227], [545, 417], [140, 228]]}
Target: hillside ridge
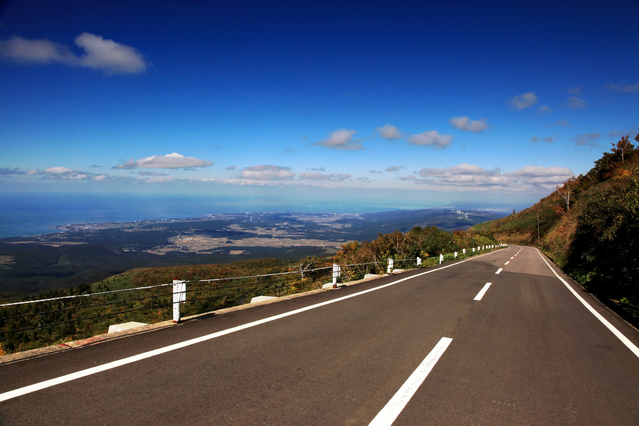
{"points": [[589, 226]]}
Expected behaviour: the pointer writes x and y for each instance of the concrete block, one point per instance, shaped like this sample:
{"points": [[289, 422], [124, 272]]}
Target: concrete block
{"points": [[262, 298], [125, 326]]}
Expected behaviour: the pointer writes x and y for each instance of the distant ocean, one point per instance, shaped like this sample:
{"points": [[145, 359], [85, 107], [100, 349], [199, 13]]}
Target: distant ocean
{"points": [[28, 213]]}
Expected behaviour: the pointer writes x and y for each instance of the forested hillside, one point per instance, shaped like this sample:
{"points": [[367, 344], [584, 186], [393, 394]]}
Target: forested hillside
{"points": [[589, 226]]}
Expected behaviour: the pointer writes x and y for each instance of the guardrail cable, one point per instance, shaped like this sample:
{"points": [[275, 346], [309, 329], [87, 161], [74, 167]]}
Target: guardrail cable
{"points": [[194, 286]]}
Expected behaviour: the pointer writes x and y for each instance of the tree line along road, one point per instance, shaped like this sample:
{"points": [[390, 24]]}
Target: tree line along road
{"points": [[494, 339]]}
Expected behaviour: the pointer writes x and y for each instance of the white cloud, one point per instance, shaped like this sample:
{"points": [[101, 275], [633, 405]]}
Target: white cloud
{"points": [[562, 122], [523, 101], [230, 168], [36, 51], [576, 103], [394, 168], [545, 108], [7, 172], [389, 132], [64, 173], [626, 88], [58, 170], [67, 174], [161, 179], [548, 139], [341, 139], [468, 125], [620, 133], [267, 172], [144, 173], [100, 54], [109, 56], [537, 171], [574, 90], [431, 138], [169, 161], [334, 177], [473, 177], [586, 139]]}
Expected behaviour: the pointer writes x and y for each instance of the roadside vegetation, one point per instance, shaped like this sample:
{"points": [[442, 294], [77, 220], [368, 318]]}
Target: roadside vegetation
{"points": [[30, 326], [589, 226]]}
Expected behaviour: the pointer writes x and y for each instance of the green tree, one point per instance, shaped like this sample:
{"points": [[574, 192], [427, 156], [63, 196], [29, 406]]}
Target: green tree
{"points": [[605, 250]]}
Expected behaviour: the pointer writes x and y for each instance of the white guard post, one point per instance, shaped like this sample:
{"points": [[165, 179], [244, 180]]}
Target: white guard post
{"points": [[179, 296], [473, 249], [441, 258], [390, 266], [419, 261], [336, 273], [455, 255], [464, 251]]}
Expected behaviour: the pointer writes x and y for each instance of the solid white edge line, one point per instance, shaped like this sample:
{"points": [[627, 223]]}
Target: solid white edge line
{"points": [[114, 364], [499, 271], [398, 402], [612, 328], [482, 291]]}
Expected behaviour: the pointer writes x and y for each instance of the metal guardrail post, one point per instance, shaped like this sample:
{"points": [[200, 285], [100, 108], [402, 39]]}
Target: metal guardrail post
{"points": [[179, 296], [441, 258], [419, 261], [389, 269]]}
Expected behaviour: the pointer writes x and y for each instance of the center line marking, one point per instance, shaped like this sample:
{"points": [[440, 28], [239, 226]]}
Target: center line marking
{"points": [[506, 263], [482, 292], [498, 271], [398, 402]]}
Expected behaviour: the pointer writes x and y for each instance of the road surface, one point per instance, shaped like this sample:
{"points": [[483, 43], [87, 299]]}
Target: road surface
{"points": [[435, 346]]}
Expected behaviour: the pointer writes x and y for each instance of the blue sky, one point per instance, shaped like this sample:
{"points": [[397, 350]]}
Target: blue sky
{"points": [[488, 101]]}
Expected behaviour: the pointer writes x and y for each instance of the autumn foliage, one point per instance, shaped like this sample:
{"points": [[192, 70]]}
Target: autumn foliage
{"points": [[589, 225]]}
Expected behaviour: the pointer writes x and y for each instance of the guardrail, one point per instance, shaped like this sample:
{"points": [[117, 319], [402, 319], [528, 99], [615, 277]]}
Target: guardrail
{"points": [[55, 318]]}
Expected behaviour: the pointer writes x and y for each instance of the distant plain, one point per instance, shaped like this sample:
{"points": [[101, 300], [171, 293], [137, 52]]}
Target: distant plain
{"points": [[85, 253]]}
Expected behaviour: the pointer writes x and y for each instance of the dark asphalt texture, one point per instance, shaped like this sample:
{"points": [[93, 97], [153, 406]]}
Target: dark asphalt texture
{"points": [[528, 353]]}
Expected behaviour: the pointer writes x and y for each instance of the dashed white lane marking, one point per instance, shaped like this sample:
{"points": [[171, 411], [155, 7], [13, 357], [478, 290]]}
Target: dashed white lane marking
{"points": [[512, 258], [498, 271], [597, 315], [397, 403], [506, 263], [119, 363], [482, 292]]}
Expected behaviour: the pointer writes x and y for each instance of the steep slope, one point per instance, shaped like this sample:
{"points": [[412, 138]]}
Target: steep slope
{"points": [[589, 225]]}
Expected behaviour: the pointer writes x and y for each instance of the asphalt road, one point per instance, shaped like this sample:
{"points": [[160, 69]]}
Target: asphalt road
{"points": [[527, 352]]}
